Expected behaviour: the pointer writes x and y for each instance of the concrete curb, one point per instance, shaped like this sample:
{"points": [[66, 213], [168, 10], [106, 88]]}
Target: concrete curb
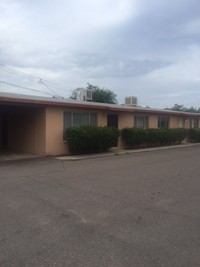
{"points": [[121, 152]]}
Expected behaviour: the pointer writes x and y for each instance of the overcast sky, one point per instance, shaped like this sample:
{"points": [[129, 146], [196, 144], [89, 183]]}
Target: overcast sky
{"points": [[144, 48]]}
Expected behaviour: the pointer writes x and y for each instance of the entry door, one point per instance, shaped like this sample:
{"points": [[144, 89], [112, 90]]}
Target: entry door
{"points": [[112, 120]]}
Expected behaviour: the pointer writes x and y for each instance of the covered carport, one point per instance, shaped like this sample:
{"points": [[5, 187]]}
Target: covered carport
{"points": [[22, 126]]}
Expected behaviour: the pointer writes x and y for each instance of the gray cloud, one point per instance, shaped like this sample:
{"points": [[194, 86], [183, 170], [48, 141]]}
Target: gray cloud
{"points": [[151, 48], [98, 65]]}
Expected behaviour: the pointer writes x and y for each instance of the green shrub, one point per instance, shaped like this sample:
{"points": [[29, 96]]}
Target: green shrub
{"points": [[151, 137], [134, 137], [90, 139], [194, 135]]}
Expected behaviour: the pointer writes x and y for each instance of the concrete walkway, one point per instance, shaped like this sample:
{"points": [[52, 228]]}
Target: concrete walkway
{"points": [[117, 151], [7, 155]]}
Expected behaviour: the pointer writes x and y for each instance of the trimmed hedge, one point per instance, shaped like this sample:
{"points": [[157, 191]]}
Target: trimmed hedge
{"points": [[194, 135], [134, 137], [90, 139]]}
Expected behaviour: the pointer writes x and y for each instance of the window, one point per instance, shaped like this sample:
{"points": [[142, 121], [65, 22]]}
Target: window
{"points": [[141, 122], [75, 119], [180, 123], [163, 122], [194, 123]]}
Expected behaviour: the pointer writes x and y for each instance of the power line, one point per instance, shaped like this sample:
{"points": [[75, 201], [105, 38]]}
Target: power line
{"points": [[41, 82], [17, 73], [33, 78], [27, 76], [19, 86]]}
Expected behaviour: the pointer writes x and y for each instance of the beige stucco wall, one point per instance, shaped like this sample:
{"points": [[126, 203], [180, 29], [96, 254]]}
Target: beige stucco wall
{"points": [[153, 121], [40, 130], [55, 145], [187, 123], [126, 120], [173, 122], [102, 119]]}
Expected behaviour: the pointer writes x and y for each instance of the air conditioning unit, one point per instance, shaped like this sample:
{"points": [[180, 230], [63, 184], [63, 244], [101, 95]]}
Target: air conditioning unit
{"points": [[84, 95], [131, 101], [88, 95]]}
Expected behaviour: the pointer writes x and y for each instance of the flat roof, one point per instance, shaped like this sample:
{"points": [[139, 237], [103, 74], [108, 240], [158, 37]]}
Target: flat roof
{"points": [[21, 99]]}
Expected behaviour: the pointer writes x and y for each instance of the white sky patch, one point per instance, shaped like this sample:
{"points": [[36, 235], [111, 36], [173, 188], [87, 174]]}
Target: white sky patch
{"points": [[100, 13], [192, 27], [185, 69]]}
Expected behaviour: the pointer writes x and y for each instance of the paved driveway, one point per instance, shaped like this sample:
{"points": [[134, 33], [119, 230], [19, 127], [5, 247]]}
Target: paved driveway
{"points": [[130, 210]]}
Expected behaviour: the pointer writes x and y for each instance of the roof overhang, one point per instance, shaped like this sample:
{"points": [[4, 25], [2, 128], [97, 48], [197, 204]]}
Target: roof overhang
{"points": [[37, 101]]}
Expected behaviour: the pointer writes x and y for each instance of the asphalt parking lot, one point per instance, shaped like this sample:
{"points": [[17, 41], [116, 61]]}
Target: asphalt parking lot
{"points": [[128, 210]]}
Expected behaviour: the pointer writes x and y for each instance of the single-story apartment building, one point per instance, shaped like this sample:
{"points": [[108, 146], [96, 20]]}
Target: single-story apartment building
{"points": [[36, 124]]}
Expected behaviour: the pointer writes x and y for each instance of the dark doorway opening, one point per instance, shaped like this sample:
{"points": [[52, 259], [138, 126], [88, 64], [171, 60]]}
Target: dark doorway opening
{"points": [[4, 131], [112, 120]]}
